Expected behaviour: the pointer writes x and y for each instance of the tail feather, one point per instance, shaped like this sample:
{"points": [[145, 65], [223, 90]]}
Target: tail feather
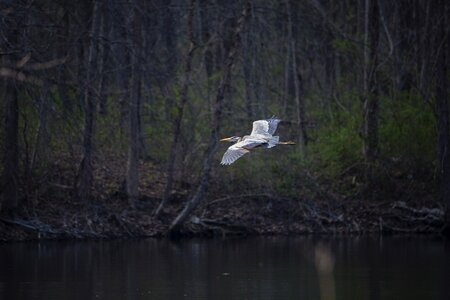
{"points": [[273, 141]]}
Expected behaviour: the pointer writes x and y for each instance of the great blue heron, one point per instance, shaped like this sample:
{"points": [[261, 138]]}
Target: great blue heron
{"points": [[261, 136]]}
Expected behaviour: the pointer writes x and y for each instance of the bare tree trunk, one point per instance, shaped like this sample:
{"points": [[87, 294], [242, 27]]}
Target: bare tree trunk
{"points": [[41, 139], [141, 141], [120, 56], [85, 16], [141, 45], [9, 178], [85, 171], [213, 138], [442, 110], [424, 45], [246, 69], [180, 110], [299, 99], [370, 93], [330, 61], [287, 67], [132, 180], [206, 24], [298, 84], [62, 51], [169, 35], [104, 57]]}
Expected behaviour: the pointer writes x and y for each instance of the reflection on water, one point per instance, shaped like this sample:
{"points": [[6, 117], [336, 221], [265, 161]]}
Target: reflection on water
{"points": [[244, 268], [325, 266]]}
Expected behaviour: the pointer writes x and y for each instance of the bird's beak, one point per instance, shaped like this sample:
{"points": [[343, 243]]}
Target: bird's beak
{"points": [[225, 139]]}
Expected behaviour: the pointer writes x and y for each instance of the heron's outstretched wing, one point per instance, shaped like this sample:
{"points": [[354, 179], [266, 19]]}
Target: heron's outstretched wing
{"points": [[260, 127], [232, 154], [265, 127], [237, 150]]}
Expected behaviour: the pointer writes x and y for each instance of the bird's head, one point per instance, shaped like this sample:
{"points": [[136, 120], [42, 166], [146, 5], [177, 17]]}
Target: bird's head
{"points": [[233, 139]]}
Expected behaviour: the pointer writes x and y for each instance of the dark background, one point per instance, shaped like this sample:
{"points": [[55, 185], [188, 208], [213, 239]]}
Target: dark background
{"points": [[118, 106]]}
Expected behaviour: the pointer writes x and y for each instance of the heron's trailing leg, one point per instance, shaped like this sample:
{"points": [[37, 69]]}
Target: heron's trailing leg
{"points": [[286, 143]]}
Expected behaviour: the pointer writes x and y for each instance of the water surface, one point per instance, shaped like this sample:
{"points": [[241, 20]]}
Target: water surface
{"points": [[237, 268]]}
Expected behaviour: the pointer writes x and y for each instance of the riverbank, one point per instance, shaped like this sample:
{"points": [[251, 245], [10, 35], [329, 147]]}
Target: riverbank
{"points": [[50, 209], [249, 215]]}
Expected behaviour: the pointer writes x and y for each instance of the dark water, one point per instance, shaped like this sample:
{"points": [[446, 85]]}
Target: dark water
{"points": [[245, 268]]}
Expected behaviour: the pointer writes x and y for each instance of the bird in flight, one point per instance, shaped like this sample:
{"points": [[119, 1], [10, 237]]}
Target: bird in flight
{"points": [[261, 136]]}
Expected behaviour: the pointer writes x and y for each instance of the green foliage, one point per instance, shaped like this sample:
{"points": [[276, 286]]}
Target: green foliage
{"points": [[407, 129], [337, 142], [109, 135], [344, 46], [66, 122], [407, 139], [407, 133]]}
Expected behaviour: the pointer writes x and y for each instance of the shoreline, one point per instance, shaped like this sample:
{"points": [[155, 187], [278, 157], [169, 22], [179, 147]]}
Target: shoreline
{"points": [[252, 217]]}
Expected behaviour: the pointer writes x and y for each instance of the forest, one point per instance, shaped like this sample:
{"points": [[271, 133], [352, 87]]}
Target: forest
{"points": [[112, 111]]}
